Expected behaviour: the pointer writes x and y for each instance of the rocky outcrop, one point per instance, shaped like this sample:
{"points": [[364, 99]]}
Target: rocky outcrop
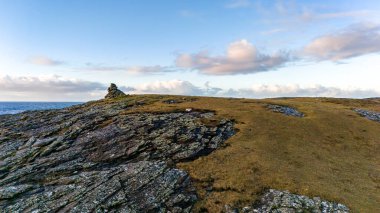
{"points": [[97, 158], [178, 100], [114, 92], [285, 110], [101, 157], [374, 116], [285, 202]]}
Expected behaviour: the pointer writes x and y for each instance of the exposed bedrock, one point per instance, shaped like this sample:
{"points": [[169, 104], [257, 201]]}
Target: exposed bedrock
{"points": [[374, 116], [97, 159], [284, 202], [285, 110]]}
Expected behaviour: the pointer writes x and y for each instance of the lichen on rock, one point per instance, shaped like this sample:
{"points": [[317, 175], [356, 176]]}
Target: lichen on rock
{"points": [[286, 110], [93, 158], [277, 201], [374, 116]]}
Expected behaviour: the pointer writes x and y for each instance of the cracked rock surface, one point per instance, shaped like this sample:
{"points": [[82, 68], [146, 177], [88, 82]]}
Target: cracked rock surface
{"points": [[374, 116], [284, 202], [285, 110], [96, 158]]}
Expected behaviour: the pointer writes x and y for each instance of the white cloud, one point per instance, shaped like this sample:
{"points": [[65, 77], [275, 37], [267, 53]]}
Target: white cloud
{"points": [[52, 88], [241, 58], [295, 90], [357, 13], [56, 88], [102, 67], [297, 17], [308, 15], [44, 61], [175, 87], [354, 41], [179, 87]]}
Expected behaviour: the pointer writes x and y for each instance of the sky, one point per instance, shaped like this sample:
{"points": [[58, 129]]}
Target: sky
{"points": [[71, 50]]}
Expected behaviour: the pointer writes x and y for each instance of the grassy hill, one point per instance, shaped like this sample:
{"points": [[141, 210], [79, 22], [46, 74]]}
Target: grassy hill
{"points": [[129, 153], [332, 152]]}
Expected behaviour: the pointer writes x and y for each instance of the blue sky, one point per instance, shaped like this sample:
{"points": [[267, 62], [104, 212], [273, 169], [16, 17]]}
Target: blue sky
{"points": [[239, 48]]}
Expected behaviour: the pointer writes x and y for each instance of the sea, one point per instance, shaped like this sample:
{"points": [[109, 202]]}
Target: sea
{"points": [[17, 107]]}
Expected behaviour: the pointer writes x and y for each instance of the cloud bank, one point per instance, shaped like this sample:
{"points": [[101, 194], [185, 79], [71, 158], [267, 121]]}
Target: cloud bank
{"points": [[356, 40], [56, 88], [179, 87], [173, 87], [241, 58], [296, 90], [244, 58], [49, 88]]}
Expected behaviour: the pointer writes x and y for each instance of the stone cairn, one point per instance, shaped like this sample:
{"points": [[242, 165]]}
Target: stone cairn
{"points": [[114, 92]]}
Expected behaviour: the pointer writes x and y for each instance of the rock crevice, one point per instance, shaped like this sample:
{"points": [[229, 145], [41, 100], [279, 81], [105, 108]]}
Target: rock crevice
{"points": [[97, 159]]}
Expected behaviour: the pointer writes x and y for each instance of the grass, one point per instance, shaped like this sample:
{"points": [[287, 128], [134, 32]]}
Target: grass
{"points": [[332, 152]]}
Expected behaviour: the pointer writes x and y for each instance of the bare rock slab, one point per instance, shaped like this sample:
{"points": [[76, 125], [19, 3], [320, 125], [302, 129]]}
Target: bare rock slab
{"points": [[285, 202], [286, 110], [373, 116], [93, 158]]}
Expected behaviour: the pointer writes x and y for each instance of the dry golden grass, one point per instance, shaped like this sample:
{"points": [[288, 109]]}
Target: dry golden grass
{"points": [[332, 152]]}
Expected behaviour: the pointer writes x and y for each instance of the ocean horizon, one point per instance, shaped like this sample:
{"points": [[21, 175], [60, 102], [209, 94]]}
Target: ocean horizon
{"points": [[14, 107]]}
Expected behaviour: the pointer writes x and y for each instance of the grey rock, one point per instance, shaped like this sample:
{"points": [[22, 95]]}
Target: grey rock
{"points": [[171, 101], [96, 158], [178, 100], [286, 202], [114, 92], [12, 191], [374, 116], [285, 110], [43, 142]]}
